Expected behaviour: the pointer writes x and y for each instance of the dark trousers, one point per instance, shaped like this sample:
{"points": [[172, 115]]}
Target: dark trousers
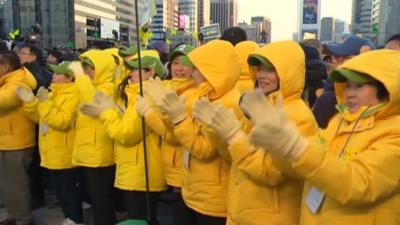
{"points": [[184, 215], [66, 186], [135, 205], [100, 187], [36, 176]]}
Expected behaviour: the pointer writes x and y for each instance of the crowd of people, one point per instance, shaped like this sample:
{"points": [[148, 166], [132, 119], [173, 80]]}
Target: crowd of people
{"points": [[236, 133]]}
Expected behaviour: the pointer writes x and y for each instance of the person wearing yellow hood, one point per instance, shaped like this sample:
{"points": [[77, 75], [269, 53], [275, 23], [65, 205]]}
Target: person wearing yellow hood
{"points": [[351, 168], [246, 81], [55, 112], [17, 139], [258, 190], [124, 126], [93, 148], [206, 173]]}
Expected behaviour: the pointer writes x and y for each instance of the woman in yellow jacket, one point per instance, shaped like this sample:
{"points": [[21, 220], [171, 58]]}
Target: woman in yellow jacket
{"points": [[55, 112], [205, 172], [258, 190], [124, 126], [93, 148], [246, 80], [351, 168]]}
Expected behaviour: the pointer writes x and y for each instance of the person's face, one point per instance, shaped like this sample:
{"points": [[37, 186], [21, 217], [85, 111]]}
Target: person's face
{"points": [[146, 74], [336, 60], [26, 56], [358, 95], [267, 80], [4, 67], [197, 77], [178, 70], [89, 71], [60, 78], [51, 60], [393, 45]]}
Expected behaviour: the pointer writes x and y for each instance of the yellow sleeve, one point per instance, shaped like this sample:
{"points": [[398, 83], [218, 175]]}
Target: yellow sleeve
{"points": [[156, 123], [31, 110], [125, 129], [255, 162], [85, 88], [58, 116], [368, 177], [193, 138], [8, 96]]}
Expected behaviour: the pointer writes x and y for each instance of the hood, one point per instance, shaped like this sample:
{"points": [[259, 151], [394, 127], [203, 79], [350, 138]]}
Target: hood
{"points": [[114, 53], [382, 65], [244, 49], [289, 61], [218, 62], [22, 75], [104, 65]]}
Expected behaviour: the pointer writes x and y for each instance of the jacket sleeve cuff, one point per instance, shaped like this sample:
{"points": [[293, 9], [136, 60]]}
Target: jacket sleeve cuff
{"points": [[309, 162], [240, 148], [107, 114]]}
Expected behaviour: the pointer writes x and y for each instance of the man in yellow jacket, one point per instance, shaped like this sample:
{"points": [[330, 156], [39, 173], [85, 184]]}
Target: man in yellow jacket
{"points": [[352, 168], [17, 138]]}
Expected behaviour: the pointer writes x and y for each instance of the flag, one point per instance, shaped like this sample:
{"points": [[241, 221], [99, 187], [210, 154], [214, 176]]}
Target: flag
{"points": [[15, 33], [374, 29], [195, 35], [173, 31], [147, 12], [70, 44]]}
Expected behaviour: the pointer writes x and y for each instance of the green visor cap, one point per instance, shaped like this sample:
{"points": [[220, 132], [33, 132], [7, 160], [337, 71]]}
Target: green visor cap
{"points": [[256, 60], [180, 50], [123, 52], [186, 61], [148, 62], [62, 68], [342, 75], [87, 62]]}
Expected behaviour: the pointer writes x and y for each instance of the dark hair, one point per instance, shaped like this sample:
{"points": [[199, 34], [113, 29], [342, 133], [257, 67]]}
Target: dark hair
{"points": [[395, 37], [381, 92], [11, 58], [234, 35], [34, 50], [56, 55], [121, 90]]}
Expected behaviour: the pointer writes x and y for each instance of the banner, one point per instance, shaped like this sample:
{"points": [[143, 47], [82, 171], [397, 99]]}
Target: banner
{"points": [[147, 12], [310, 11]]}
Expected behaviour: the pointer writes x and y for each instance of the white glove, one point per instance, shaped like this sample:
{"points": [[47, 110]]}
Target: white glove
{"points": [[102, 103], [42, 94], [25, 94], [154, 88], [203, 111], [173, 106], [225, 122], [143, 106]]}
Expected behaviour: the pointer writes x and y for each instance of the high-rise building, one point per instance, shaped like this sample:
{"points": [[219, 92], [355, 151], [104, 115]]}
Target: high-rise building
{"points": [[251, 31], [188, 9], [361, 18], [327, 29], [342, 28], [385, 20], [204, 13], [224, 12], [166, 17], [263, 28], [309, 19]]}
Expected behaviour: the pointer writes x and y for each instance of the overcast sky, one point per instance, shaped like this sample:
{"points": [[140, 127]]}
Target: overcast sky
{"points": [[283, 13]]}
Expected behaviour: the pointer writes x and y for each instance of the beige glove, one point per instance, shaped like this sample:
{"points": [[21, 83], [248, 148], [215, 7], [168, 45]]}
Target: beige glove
{"points": [[173, 106], [102, 103], [203, 111], [272, 130], [25, 94], [154, 88], [76, 68], [143, 106], [42, 94], [226, 124]]}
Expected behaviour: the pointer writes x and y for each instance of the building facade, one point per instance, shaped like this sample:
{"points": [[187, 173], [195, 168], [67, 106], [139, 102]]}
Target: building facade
{"points": [[251, 31], [204, 13], [327, 29], [342, 29], [385, 20], [264, 28], [224, 12], [166, 17], [309, 19], [361, 18]]}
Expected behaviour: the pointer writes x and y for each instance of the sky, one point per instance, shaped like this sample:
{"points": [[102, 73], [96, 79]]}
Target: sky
{"points": [[283, 13]]}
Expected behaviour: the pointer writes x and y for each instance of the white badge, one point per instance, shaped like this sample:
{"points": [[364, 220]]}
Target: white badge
{"points": [[44, 129], [186, 158], [314, 199]]}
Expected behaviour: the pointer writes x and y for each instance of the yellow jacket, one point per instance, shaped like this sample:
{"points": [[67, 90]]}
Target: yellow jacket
{"points": [[17, 131], [206, 173], [126, 131], [93, 148], [246, 81], [362, 186], [56, 117], [259, 193]]}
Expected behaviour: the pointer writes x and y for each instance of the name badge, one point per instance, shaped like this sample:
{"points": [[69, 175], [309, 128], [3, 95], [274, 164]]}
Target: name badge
{"points": [[314, 199], [186, 159], [44, 128]]}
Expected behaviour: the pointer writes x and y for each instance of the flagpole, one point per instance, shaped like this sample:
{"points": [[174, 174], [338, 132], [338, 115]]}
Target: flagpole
{"points": [[146, 166]]}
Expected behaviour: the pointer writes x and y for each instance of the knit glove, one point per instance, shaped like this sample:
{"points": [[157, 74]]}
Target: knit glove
{"points": [[225, 123], [203, 111], [154, 88], [272, 130], [143, 106], [42, 94], [102, 103], [174, 106], [25, 94]]}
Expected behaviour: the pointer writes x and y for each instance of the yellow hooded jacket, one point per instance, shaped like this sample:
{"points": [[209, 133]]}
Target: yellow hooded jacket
{"points": [[120, 71], [246, 81], [56, 117], [206, 173], [361, 186], [126, 131], [258, 190], [93, 147], [17, 131]]}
